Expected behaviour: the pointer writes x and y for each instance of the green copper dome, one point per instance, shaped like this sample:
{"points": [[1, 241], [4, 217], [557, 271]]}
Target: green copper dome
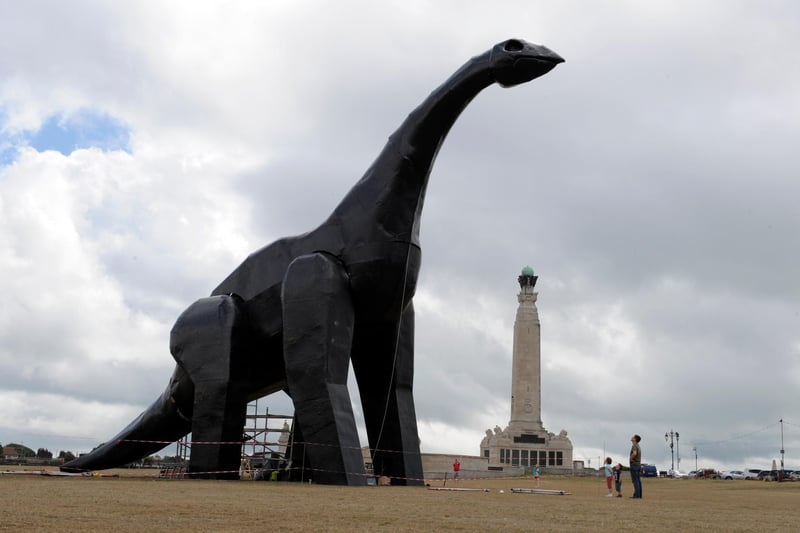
{"points": [[527, 271]]}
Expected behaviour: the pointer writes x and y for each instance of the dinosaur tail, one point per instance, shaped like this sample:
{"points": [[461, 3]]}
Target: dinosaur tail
{"points": [[166, 420]]}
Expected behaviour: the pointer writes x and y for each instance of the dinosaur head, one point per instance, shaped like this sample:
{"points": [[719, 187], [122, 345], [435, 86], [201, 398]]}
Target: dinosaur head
{"points": [[515, 61]]}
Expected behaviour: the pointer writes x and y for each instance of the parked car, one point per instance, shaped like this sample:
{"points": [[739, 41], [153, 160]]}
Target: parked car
{"points": [[768, 475], [732, 474], [707, 473], [751, 473], [649, 470], [677, 474]]}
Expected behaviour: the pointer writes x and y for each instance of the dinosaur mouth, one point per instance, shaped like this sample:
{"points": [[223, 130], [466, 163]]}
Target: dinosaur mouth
{"points": [[532, 63], [526, 69]]}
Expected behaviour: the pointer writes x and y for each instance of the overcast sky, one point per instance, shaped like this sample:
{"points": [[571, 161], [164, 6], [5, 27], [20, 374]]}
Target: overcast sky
{"points": [[651, 181]]}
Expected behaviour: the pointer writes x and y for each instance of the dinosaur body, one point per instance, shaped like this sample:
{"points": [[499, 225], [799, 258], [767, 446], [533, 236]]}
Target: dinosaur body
{"points": [[295, 313]]}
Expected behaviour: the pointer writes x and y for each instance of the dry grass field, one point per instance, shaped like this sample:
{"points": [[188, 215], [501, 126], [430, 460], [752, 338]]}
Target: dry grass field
{"points": [[138, 501]]}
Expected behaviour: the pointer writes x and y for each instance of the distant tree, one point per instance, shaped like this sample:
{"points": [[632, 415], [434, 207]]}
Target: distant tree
{"points": [[44, 453], [67, 456], [23, 450]]}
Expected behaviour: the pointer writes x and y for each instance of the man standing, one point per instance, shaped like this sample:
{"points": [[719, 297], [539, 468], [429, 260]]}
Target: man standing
{"points": [[636, 466], [456, 469]]}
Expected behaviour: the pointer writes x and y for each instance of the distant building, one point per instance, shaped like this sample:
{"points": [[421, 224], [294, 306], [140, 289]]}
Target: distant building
{"points": [[524, 442], [10, 453]]}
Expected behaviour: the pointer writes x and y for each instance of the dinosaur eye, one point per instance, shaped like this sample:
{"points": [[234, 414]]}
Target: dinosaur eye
{"points": [[513, 46]]}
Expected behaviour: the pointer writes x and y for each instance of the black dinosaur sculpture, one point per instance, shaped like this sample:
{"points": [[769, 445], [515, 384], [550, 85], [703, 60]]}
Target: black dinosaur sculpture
{"points": [[295, 313]]}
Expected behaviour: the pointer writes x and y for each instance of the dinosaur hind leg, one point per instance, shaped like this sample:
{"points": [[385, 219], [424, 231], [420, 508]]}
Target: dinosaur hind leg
{"points": [[209, 341], [317, 337]]}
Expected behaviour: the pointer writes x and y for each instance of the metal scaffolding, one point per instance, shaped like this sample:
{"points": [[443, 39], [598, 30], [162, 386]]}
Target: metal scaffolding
{"points": [[264, 445]]}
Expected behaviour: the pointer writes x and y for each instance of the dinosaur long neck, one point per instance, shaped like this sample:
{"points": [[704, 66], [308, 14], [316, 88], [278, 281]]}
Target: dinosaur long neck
{"points": [[392, 191]]}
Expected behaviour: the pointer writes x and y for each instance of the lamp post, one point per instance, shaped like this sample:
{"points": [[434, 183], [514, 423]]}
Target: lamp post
{"points": [[670, 437], [781, 448], [694, 449], [678, 449]]}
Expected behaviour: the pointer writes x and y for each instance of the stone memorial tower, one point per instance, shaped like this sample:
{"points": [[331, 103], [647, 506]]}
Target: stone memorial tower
{"points": [[525, 442], [526, 369]]}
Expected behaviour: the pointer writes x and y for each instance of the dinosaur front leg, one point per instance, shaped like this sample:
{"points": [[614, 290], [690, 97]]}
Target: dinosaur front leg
{"points": [[383, 363], [210, 342], [317, 338]]}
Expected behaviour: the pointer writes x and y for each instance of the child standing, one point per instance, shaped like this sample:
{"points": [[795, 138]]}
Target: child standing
{"points": [[608, 470], [536, 473], [618, 479]]}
